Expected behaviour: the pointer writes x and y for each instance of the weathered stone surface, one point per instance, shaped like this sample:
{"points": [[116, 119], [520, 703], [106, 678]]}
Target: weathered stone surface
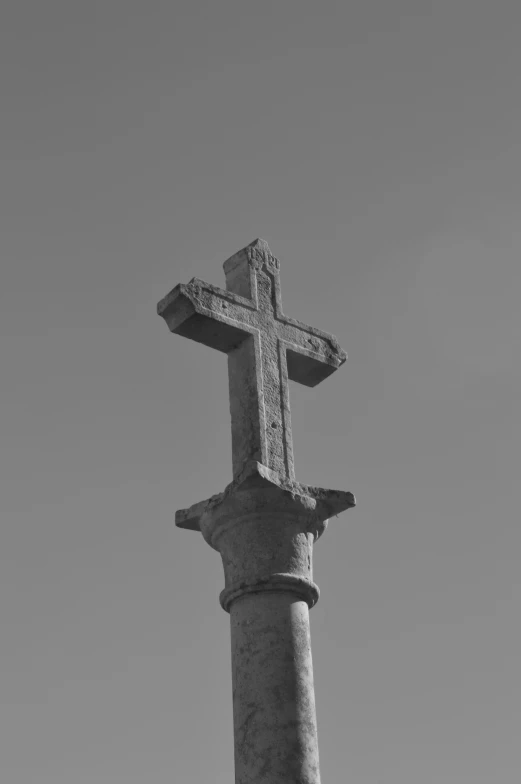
{"points": [[264, 349], [273, 696], [264, 523]]}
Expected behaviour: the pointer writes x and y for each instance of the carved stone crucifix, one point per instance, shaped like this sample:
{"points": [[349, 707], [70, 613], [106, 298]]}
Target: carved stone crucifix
{"points": [[264, 523]]}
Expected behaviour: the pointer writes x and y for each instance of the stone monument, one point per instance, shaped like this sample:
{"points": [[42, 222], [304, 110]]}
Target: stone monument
{"points": [[264, 523]]}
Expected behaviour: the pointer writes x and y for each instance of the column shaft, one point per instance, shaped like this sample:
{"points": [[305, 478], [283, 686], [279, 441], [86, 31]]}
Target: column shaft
{"points": [[273, 696]]}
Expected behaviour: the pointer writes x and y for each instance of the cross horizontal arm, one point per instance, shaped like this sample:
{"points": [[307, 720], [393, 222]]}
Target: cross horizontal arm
{"points": [[208, 314], [312, 355]]}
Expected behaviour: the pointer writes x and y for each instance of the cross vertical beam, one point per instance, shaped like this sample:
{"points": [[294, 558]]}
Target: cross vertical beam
{"points": [[257, 369]]}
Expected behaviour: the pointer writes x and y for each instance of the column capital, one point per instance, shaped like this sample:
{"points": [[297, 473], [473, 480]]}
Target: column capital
{"points": [[264, 527]]}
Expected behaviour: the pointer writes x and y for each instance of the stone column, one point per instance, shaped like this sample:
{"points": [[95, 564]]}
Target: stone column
{"points": [[265, 537], [273, 697]]}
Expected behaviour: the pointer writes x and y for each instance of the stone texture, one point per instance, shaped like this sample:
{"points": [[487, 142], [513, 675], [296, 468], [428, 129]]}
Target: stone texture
{"points": [[264, 523], [273, 706]]}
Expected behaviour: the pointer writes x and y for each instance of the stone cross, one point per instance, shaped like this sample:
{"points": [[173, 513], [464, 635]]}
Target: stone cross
{"points": [[264, 523], [264, 349]]}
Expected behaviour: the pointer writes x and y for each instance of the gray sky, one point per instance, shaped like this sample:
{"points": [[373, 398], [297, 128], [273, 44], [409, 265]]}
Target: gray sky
{"points": [[377, 147]]}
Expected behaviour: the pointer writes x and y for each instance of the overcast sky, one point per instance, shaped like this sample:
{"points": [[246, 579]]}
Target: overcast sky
{"points": [[376, 146]]}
